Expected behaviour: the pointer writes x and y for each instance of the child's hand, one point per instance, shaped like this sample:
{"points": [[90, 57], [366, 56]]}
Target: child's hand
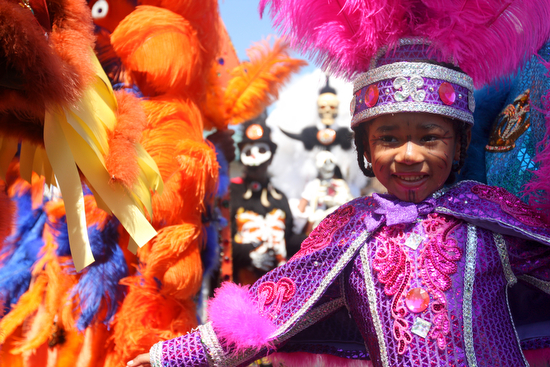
{"points": [[141, 360]]}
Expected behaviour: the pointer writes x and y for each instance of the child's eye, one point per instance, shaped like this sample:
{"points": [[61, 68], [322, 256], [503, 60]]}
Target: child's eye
{"points": [[387, 139], [429, 138]]}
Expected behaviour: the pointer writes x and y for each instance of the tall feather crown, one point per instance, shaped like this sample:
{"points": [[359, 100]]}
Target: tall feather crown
{"points": [[374, 41]]}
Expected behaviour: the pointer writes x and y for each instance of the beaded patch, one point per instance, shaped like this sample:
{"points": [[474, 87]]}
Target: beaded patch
{"points": [[321, 236], [276, 293], [510, 124], [510, 204]]}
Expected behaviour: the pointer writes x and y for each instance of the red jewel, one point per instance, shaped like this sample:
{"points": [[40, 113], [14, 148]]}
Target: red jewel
{"points": [[371, 97], [417, 300], [447, 93]]}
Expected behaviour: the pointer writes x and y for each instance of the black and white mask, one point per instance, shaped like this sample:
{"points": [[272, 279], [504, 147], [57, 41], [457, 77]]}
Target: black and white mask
{"points": [[254, 154]]}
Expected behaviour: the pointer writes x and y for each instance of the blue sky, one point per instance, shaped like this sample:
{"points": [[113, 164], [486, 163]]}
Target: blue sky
{"points": [[245, 27]]}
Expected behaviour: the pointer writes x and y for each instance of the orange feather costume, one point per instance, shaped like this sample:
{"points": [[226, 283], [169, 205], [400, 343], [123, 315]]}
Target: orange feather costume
{"points": [[168, 50]]}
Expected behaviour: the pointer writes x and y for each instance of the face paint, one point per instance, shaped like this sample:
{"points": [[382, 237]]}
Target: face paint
{"points": [[254, 154]]}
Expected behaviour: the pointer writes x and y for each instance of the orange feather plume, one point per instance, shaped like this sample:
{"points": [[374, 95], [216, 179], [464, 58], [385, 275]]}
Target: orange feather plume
{"points": [[256, 83], [162, 54]]}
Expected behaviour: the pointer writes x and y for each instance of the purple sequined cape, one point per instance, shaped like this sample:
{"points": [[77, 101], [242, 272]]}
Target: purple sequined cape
{"points": [[398, 283]]}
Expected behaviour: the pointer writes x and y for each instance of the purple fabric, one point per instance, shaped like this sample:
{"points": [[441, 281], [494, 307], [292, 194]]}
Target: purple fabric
{"points": [[186, 350], [438, 264], [394, 211]]}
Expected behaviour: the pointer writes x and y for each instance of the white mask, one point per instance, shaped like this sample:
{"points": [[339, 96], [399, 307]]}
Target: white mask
{"points": [[254, 154]]}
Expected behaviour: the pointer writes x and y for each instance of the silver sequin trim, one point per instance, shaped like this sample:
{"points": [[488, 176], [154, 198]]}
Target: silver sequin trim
{"points": [[469, 276], [155, 355], [216, 356], [540, 284], [412, 69], [371, 294], [536, 236], [329, 278], [398, 107], [503, 253]]}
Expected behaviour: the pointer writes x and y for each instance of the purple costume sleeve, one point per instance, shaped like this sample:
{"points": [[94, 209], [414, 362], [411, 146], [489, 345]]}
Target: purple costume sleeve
{"points": [[186, 350]]}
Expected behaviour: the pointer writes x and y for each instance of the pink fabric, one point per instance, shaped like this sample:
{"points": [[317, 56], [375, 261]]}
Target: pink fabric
{"points": [[301, 359], [236, 319], [538, 358]]}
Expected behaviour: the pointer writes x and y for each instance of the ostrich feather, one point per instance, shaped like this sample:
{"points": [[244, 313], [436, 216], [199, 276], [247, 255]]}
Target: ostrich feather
{"points": [[256, 83], [487, 39]]}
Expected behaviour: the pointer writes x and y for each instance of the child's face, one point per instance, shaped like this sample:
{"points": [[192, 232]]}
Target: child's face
{"points": [[411, 153]]}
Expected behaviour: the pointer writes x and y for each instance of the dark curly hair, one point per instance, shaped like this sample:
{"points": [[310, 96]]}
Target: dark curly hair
{"points": [[461, 131]]}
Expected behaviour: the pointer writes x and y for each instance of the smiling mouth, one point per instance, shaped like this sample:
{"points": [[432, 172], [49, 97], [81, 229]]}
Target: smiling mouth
{"points": [[410, 178]]}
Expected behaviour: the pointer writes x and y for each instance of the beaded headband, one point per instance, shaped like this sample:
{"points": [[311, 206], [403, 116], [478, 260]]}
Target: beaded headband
{"points": [[397, 82]]}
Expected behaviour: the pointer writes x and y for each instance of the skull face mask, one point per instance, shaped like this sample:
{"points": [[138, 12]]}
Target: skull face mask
{"points": [[327, 108], [255, 154], [325, 162]]}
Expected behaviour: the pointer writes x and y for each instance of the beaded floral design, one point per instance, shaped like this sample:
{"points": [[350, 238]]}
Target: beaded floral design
{"points": [[321, 236], [510, 204], [275, 294], [394, 271], [437, 261]]}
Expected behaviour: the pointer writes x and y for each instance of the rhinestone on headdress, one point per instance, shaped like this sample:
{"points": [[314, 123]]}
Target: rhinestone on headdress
{"points": [[371, 97], [447, 93]]}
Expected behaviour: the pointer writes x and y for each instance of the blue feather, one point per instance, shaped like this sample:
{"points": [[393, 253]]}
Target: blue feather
{"points": [[99, 286], [489, 103], [24, 244]]}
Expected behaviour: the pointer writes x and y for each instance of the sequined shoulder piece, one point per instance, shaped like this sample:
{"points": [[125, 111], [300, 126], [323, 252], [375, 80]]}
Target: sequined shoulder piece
{"points": [[486, 206], [322, 235], [286, 293]]}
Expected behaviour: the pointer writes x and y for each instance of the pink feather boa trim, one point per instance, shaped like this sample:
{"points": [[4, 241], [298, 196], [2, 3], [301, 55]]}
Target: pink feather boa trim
{"points": [[237, 321], [300, 359]]}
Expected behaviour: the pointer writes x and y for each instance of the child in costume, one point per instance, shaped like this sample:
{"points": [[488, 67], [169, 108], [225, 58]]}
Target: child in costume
{"points": [[418, 276]]}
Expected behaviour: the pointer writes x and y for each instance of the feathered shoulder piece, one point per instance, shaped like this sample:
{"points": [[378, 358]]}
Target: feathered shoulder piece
{"points": [[486, 38]]}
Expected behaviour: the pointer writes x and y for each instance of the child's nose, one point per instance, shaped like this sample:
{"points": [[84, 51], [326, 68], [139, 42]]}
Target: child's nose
{"points": [[409, 153]]}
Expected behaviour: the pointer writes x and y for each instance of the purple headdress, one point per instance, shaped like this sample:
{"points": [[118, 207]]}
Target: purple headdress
{"points": [[375, 42]]}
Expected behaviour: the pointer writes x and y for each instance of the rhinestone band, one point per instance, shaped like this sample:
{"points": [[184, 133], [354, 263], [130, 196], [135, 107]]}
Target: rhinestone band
{"points": [[412, 69]]}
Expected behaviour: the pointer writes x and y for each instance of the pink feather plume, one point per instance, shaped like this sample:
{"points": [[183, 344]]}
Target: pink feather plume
{"points": [[487, 38], [237, 321]]}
